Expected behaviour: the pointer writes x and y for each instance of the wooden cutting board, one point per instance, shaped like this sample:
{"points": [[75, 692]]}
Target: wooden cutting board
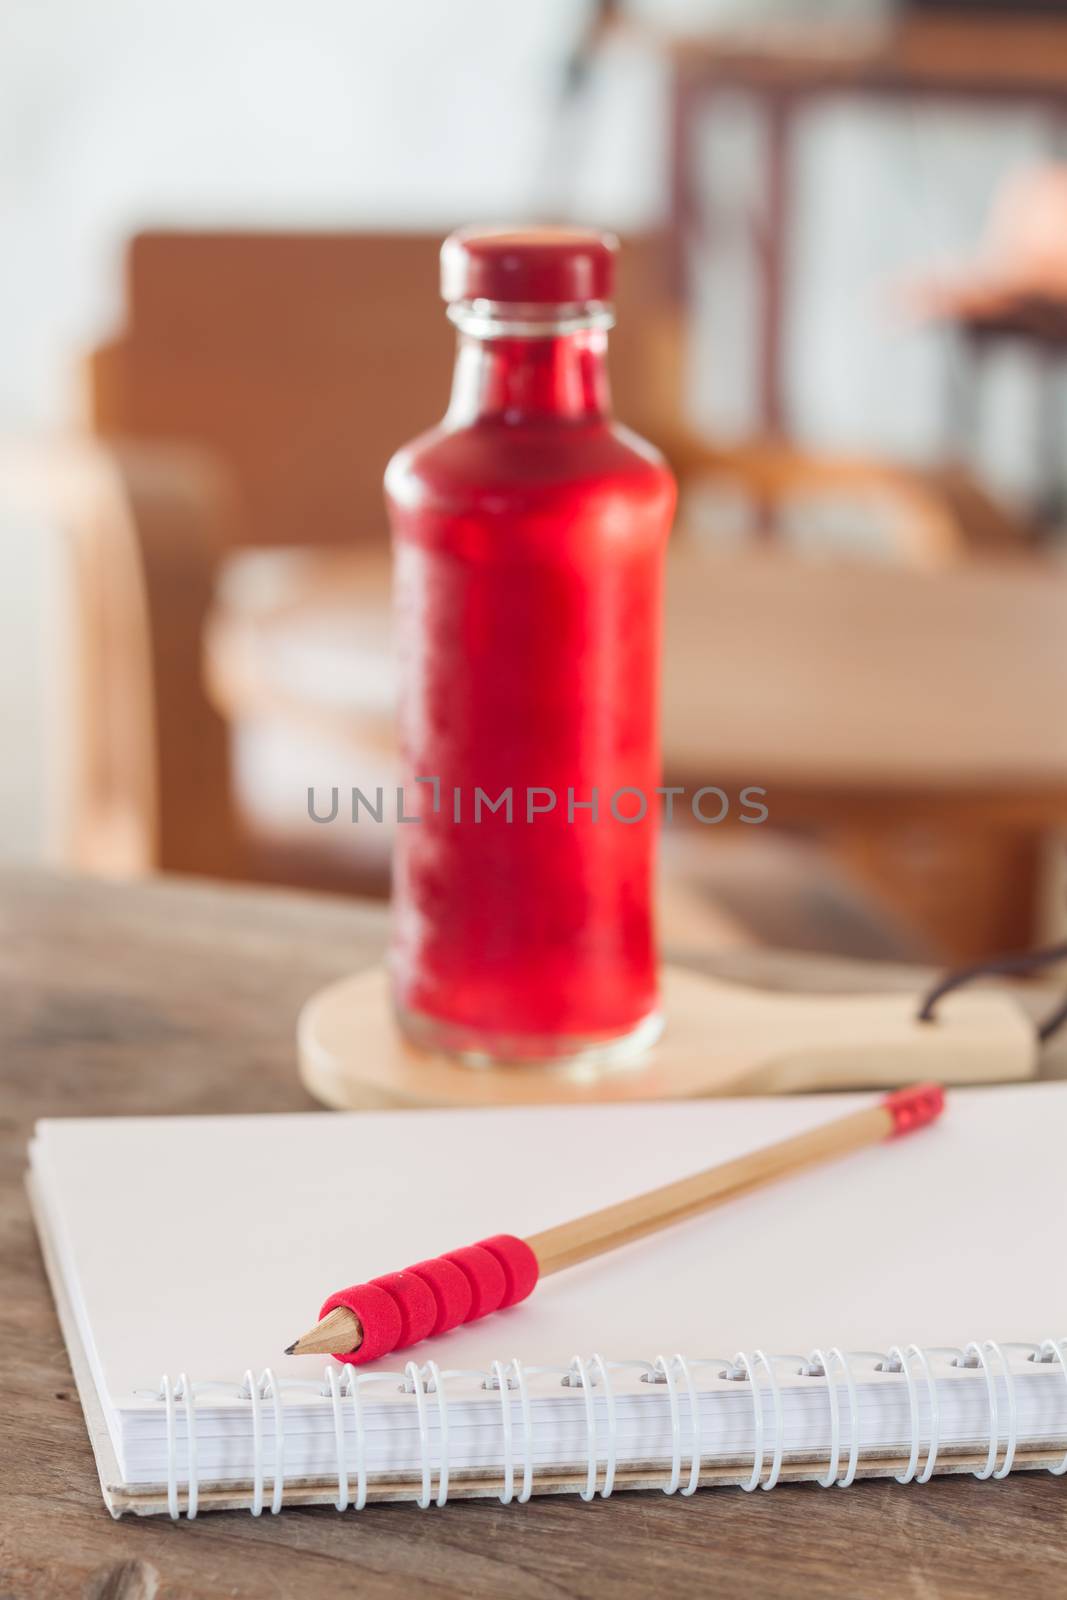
{"points": [[718, 1038]]}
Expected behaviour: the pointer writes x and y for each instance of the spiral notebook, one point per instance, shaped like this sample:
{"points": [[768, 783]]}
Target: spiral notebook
{"points": [[901, 1311]]}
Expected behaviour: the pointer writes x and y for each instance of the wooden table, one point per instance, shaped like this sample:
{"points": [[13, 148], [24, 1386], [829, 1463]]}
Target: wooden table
{"points": [[168, 998]]}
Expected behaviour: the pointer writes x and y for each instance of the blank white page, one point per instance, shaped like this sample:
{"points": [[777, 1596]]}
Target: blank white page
{"points": [[206, 1245]]}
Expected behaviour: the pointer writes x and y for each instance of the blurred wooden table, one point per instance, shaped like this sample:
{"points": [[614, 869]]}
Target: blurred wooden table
{"points": [[884, 689], [914, 717], [176, 998]]}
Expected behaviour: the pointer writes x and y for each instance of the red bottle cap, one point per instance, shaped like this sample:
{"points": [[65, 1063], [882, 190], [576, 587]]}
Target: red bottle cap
{"points": [[540, 266]]}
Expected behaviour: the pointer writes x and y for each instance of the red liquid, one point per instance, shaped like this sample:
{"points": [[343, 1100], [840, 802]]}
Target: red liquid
{"points": [[529, 534]]}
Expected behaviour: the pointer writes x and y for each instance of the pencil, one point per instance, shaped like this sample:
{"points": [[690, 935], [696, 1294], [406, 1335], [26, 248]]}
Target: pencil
{"points": [[368, 1320]]}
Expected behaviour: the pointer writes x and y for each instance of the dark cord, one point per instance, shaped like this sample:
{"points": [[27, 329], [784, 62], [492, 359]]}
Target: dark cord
{"points": [[1002, 967]]}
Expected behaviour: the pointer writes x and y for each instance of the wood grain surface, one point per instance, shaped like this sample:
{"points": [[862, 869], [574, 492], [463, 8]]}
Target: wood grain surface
{"points": [[167, 998]]}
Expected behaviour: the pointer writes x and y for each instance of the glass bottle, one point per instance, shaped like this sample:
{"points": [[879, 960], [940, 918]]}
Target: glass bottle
{"points": [[529, 531]]}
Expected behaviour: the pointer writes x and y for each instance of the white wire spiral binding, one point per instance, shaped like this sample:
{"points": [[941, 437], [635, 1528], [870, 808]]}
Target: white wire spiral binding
{"points": [[663, 1367], [1055, 1348], [256, 1391], [270, 1382], [935, 1413], [416, 1376], [900, 1357], [895, 1362], [658, 1372], [193, 1490], [437, 1379], [695, 1423], [527, 1428], [590, 1374], [1013, 1412], [498, 1378], [507, 1494], [170, 1395], [172, 1447], [612, 1427], [330, 1374], [577, 1374], [350, 1377], [251, 1385], [819, 1364], [578, 1367], [749, 1366], [979, 1350]]}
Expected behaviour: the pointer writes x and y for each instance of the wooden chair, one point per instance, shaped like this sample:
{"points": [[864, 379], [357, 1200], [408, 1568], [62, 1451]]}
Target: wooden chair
{"points": [[297, 362], [144, 758], [287, 368]]}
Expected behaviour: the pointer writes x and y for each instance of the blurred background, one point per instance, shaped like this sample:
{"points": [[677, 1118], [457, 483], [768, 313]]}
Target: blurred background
{"points": [[842, 309]]}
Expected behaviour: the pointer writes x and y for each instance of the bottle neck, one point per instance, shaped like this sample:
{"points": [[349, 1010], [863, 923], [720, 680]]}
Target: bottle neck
{"points": [[513, 379]]}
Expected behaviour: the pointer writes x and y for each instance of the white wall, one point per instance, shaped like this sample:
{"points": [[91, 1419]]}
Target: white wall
{"points": [[119, 114]]}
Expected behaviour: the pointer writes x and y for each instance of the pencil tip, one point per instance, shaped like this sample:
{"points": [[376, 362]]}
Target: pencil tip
{"points": [[338, 1330]]}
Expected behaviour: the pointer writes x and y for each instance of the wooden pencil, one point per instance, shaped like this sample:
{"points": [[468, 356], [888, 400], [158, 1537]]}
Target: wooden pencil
{"points": [[342, 1331]]}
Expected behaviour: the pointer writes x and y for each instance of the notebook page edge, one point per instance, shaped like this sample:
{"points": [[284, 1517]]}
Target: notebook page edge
{"points": [[96, 1423]]}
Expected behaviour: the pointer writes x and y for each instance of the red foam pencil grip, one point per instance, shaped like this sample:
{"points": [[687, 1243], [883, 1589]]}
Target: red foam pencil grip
{"points": [[914, 1107], [433, 1296]]}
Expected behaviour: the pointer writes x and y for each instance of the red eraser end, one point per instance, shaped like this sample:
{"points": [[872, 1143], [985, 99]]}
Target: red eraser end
{"points": [[914, 1107]]}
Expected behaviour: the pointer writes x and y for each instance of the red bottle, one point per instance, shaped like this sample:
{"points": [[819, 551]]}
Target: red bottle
{"points": [[529, 532]]}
